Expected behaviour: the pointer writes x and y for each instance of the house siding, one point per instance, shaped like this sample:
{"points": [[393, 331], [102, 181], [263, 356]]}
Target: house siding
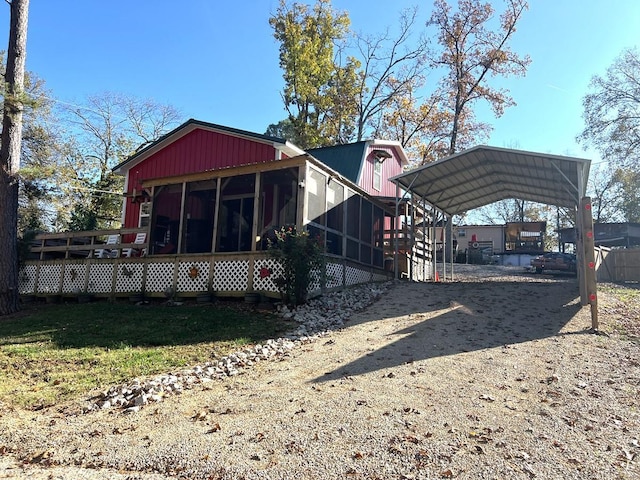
{"points": [[390, 167], [197, 151]]}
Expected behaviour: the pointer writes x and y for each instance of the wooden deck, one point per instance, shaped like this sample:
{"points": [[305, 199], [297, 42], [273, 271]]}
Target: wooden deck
{"points": [[53, 246], [65, 266]]}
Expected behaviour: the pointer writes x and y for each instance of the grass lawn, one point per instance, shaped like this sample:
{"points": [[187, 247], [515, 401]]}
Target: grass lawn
{"points": [[53, 353]]}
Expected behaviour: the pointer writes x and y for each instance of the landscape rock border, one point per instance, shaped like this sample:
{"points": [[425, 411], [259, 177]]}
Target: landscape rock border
{"points": [[315, 319]]}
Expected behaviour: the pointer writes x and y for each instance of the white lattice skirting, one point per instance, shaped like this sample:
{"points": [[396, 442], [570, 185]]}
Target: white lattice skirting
{"points": [[182, 275]]}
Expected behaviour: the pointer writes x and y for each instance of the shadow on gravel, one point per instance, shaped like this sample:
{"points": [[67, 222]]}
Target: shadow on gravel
{"points": [[454, 318]]}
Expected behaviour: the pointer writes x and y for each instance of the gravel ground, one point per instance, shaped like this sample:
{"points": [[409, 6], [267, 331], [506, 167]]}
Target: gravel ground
{"points": [[494, 375]]}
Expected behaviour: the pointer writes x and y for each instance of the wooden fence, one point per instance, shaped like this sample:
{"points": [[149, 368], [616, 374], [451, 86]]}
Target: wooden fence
{"points": [[618, 265]]}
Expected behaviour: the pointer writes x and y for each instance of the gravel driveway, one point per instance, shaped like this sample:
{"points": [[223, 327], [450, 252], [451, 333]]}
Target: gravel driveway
{"points": [[495, 376]]}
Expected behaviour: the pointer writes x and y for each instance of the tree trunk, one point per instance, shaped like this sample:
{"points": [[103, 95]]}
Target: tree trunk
{"points": [[10, 156]]}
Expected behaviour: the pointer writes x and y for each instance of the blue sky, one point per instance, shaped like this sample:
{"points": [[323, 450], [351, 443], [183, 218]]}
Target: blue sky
{"points": [[217, 60]]}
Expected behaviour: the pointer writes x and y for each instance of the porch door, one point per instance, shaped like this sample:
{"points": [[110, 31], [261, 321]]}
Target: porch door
{"points": [[199, 208], [236, 220]]}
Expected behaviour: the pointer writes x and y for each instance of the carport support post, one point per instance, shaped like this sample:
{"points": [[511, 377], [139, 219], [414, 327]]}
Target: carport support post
{"points": [[434, 239], [444, 247], [424, 239], [589, 264], [450, 233], [396, 233]]}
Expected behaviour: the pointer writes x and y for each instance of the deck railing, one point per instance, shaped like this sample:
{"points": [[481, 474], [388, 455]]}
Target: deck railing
{"points": [[50, 246], [63, 264], [408, 241]]}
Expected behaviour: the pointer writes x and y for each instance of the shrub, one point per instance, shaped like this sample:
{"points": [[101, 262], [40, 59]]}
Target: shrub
{"points": [[302, 261]]}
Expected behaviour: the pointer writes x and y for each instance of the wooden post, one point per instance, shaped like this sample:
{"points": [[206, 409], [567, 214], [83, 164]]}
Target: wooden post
{"points": [[589, 266]]}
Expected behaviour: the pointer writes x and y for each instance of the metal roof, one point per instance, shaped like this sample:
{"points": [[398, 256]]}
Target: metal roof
{"points": [[346, 159], [483, 175]]}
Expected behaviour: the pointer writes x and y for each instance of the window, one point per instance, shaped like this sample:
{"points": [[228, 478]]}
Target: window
{"points": [[278, 204], [353, 215], [145, 214], [335, 206], [377, 175], [316, 196]]}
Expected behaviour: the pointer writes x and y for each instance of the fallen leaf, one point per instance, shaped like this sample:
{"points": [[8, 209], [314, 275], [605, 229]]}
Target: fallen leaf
{"points": [[411, 439], [395, 450], [214, 428], [200, 416]]}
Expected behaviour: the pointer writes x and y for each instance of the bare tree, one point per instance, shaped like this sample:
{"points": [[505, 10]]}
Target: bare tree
{"points": [[106, 130], [331, 96], [471, 53], [612, 111], [391, 67], [10, 155], [421, 128], [604, 188]]}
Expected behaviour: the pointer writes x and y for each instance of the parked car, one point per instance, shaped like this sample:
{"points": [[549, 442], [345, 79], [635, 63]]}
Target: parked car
{"points": [[565, 262]]}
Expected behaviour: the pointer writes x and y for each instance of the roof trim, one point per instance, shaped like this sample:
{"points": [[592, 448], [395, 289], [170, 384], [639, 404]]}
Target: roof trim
{"points": [[391, 143]]}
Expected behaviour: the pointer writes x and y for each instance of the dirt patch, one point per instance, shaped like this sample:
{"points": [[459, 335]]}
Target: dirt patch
{"points": [[494, 377]]}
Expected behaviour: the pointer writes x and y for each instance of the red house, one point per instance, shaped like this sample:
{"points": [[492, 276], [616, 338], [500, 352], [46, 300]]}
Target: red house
{"points": [[208, 197]]}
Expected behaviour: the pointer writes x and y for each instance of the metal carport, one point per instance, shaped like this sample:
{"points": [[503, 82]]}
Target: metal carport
{"points": [[483, 175]]}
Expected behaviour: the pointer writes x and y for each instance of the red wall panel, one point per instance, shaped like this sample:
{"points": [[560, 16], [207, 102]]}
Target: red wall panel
{"points": [[197, 151], [390, 168]]}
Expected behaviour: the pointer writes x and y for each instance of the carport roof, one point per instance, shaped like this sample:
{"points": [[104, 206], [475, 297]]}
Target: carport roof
{"points": [[483, 175]]}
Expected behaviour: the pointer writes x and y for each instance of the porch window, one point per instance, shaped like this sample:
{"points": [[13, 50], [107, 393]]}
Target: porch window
{"points": [[366, 231], [353, 215], [278, 203], [317, 196], [378, 237], [353, 226], [235, 221], [335, 217]]}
